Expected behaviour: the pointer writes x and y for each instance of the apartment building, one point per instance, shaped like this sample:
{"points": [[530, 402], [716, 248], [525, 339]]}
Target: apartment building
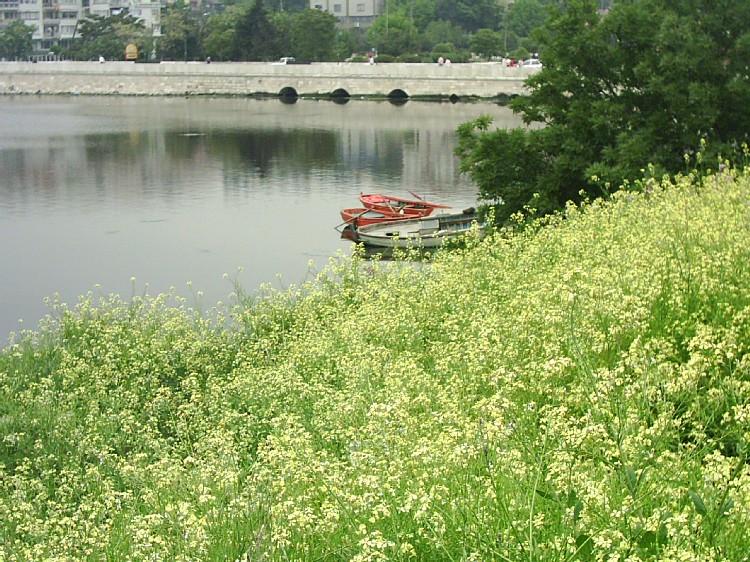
{"points": [[55, 22], [351, 13]]}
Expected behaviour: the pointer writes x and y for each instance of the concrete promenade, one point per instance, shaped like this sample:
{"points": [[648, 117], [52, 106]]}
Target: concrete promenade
{"points": [[480, 80]]}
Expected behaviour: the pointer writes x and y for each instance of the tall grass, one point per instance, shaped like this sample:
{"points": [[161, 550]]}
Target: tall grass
{"points": [[575, 391]]}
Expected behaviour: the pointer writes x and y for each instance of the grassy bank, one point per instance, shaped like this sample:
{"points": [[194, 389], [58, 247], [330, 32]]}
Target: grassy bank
{"points": [[579, 391]]}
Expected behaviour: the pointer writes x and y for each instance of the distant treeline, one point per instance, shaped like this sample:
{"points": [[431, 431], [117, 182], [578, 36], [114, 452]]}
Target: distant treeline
{"points": [[408, 30]]}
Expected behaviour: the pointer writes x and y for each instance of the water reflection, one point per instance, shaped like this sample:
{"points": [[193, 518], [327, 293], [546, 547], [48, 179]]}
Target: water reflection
{"points": [[96, 190]]}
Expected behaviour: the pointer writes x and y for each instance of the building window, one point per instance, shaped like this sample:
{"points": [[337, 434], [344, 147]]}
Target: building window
{"points": [[361, 7], [318, 6], [337, 8]]}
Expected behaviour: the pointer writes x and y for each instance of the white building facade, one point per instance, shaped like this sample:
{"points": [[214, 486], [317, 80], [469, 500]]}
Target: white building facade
{"points": [[351, 13], [55, 22]]}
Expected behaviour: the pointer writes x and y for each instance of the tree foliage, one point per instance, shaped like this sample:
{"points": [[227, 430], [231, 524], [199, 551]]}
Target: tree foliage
{"points": [[218, 35], [255, 36], [486, 43], [524, 16], [180, 39], [108, 36], [15, 40], [393, 34], [642, 85], [441, 31], [313, 35], [469, 14]]}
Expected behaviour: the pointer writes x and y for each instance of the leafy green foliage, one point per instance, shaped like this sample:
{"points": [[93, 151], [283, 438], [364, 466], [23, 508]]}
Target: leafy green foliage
{"points": [[393, 34], [255, 37], [505, 180], [443, 32], [108, 36], [469, 14], [313, 34], [180, 39], [486, 43], [219, 33], [524, 16], [576, 390], [642, 85], [349, 41], [15, 40]]}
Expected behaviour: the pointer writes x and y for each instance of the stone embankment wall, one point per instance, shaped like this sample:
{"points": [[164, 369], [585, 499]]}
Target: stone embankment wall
{"points": [[483, 80]]}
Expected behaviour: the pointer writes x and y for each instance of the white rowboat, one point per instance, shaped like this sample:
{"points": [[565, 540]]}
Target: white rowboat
{"points": [[426, 232]]}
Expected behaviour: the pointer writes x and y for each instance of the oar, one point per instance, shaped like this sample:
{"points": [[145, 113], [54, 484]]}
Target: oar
{"points": [[352, 221], [429, 202]]}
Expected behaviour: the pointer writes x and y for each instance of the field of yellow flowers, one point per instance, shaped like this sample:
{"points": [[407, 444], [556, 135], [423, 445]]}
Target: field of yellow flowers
{"points": [[577, 390]]}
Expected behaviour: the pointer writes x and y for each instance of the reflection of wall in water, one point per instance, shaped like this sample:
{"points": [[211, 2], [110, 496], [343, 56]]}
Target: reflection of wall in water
{"points": [[430, 161], [125, 166]]}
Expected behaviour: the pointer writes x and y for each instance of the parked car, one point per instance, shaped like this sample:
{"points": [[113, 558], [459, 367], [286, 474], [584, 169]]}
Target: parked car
{"points": [[532, 63]]}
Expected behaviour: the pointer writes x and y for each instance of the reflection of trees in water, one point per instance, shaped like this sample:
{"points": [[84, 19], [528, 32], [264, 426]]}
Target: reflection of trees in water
{"points": [[263, 150], [173, 160]]}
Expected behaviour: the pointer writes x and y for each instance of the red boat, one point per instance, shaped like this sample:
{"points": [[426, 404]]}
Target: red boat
{"points": [[390, 204], [360, 216]]}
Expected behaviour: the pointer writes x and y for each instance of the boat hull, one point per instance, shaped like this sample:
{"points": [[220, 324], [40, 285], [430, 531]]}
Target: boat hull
{"points": [[391, 204], [426, 232], [360, 216]]}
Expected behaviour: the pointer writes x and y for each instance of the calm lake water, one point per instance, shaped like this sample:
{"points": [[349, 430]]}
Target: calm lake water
{"points": [[96, 190]]}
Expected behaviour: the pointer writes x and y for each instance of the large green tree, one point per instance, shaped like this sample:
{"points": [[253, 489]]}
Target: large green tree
{"points": [[486, 43], [218, 38], [313, 35], [180, 39], [420, 12], [524, 16], [642, 85], [255, 36], [469, 14], [393, 34], [15, 40], [441, 31], [108, 36]]}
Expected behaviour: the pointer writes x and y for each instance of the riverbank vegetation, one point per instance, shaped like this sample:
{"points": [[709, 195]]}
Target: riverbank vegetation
{"points": [[646, 84], [403, 30], [576, 390]]}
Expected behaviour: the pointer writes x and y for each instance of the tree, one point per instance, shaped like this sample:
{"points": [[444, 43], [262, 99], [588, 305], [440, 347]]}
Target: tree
{"points": [[313, 35], [524, 16], [641, 85], [469, 14], [486, 43], [442, 31], [394, 34], [15, 40], [289, 5], [180, 39], [348, 42], [282, 22], [108, 36], [420, 12], [255, 36], [219, 34]]}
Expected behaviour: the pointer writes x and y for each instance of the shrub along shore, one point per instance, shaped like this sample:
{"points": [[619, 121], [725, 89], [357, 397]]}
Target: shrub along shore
{"points": [[576, 390]]}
